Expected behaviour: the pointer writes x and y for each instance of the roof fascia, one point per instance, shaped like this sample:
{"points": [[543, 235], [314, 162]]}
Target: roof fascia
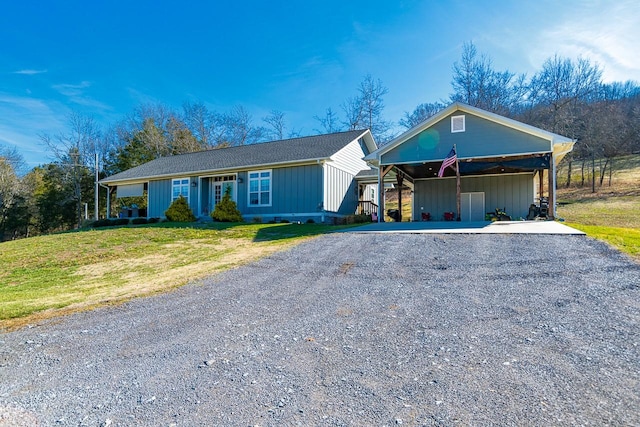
{"points": [[106, 181], [553, 138]]}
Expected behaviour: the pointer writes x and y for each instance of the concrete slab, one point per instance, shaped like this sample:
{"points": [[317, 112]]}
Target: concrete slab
{"points": [[445, 227]]}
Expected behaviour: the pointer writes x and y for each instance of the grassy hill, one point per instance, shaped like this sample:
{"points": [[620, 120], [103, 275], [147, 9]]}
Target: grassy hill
{"points": [[46, 276], [612, 212]]}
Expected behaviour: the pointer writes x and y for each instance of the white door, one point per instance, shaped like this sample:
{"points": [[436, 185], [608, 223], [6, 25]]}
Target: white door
{"points": [[218, 189], [472, 206]]}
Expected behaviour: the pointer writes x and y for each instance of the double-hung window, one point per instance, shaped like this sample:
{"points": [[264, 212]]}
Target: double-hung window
{"points": [[180, 187], [260, 188]]}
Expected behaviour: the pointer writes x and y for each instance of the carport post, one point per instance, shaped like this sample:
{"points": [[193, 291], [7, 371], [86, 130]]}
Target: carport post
{"points": [[552, 188], [380, 194]]}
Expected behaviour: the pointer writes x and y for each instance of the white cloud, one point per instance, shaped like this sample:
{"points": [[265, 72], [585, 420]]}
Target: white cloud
{"points": [[23, 119], [72, 89], [604, 33], [76, 94], [29, 72]]}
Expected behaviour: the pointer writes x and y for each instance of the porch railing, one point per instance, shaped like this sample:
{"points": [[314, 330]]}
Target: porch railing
{"points": [[367, 208]]}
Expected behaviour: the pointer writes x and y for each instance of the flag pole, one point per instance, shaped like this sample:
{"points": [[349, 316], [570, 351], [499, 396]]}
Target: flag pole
{"points": [[457, 182]]}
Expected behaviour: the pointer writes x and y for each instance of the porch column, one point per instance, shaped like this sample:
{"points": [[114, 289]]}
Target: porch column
{"points": [[108, 213], [540, 185], [399, 179], [380, 194], [552, 188]]}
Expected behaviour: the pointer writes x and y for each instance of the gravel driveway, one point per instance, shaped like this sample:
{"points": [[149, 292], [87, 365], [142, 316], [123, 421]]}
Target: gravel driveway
{"points": [[352, 329]]}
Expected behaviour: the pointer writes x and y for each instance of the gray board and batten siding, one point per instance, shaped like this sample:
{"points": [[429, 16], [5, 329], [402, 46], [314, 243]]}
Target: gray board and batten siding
{"points": [[318, 189], [513, 192], [482, 138]]}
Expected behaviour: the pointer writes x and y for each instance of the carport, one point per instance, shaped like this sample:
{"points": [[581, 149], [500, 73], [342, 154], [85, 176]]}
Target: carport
{"points": [[502, 163]]}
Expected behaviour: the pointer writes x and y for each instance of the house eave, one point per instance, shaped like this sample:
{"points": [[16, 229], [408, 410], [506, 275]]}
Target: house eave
{"points": [[234, 169]]}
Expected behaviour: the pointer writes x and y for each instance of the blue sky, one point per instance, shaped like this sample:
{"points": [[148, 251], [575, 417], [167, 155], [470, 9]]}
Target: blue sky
{"points": [[103, 58]]}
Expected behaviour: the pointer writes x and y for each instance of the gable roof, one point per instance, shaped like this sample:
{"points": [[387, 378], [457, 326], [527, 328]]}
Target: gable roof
{"points": [[560, 145], [295, 150]]}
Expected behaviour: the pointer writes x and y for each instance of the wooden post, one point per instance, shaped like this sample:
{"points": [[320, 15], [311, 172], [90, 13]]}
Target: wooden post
{"points": [[457, 183], [552, 188], [399, 179], [540, 185], [380, 194]]}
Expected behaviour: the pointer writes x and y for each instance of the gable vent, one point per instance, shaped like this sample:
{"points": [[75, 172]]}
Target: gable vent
{"points": [[457, 124]]}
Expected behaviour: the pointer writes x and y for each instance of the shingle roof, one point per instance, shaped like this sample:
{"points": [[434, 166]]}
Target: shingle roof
{"points": [[308, 148]]}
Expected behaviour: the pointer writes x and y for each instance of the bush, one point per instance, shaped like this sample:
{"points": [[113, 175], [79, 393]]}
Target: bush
{"points": [[226, 210], [153, 220], [310, 221], [120, 221], [257, 219], [102, 223], [137, 221], [179, 211], [285, 221]]}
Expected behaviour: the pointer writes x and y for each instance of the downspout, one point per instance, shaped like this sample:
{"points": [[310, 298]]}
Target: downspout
{"points": [[324, 190]]}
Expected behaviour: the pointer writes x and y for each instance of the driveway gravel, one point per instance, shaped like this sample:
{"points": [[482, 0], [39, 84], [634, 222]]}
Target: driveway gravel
{"points": [[352, 329]]}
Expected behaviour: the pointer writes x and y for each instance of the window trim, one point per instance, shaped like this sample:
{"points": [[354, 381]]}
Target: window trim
{"points": [[180, 184], [461, 119], [259, 179]]}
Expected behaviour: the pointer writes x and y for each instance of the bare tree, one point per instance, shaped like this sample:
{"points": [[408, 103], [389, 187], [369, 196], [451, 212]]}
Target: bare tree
{"points": [[75, 149], [276, 123], [559, 89], [240, 129], [365, 110], [352, 108], [476, 83], [206, 126], [420, 114], [329, 123]]}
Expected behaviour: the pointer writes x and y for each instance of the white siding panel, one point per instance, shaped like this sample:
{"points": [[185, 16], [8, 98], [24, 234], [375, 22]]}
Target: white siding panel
{"points": [[349, 158], [340, 191]]}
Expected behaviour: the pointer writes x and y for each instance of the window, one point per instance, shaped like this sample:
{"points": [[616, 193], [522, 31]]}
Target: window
{"points": [[180, 187], [457, 124], [260, 188]]}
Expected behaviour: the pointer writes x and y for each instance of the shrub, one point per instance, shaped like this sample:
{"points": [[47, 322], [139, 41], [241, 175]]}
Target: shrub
{"points": [[179, 211], [310, 221], [120, 221], [102, 223], [153, 220], [257, 219], [285, 221], [138, 221], [272, 221], [226, 210]]}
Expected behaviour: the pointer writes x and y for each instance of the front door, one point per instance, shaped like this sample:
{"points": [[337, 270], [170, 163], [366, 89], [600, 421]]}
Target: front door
{"points": [[217, 191]]}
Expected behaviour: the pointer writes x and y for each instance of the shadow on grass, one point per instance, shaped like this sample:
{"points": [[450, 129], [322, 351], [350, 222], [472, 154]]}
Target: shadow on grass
{"points": [[292, 231]]}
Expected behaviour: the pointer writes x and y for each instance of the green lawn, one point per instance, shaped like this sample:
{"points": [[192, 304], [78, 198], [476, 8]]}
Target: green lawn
{"points": [[51, 275], [612, 213]]}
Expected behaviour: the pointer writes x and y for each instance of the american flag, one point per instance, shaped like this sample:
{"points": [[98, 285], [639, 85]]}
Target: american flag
{"points": [[448, 161]]}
